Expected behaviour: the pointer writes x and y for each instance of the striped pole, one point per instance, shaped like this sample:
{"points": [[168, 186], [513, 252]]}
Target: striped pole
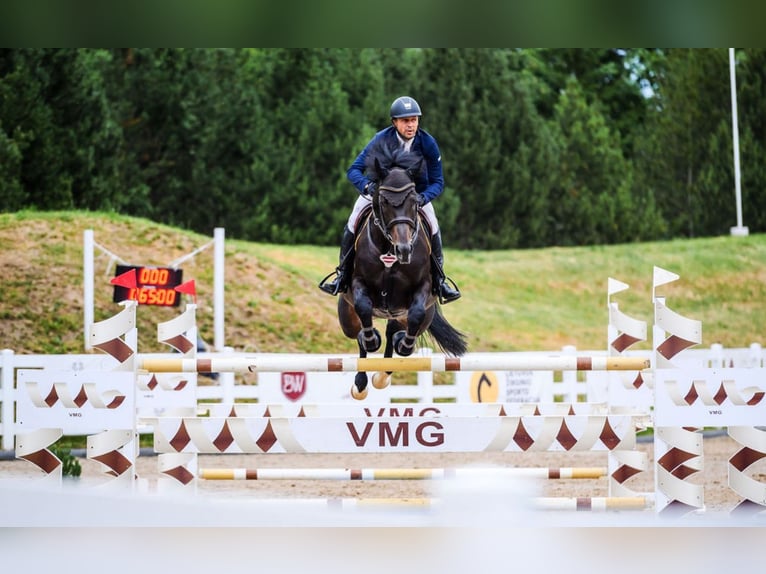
{"points": [[583, 504], [436, 363], [579, 504], [393, 473], [596, 503]]}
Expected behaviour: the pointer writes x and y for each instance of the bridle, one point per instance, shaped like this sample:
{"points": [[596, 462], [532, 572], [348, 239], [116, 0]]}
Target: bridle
{"points": [[386, 226]]}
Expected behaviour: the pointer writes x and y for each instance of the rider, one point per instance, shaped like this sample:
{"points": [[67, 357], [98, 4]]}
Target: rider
{"points": [[404, 128]]}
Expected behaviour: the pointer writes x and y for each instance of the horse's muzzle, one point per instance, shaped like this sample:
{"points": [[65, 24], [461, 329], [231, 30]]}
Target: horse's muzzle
{"points": [[403, 253]]}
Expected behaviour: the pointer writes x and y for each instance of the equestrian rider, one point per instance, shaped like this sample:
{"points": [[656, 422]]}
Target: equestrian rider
{"points": [[405, 132]]}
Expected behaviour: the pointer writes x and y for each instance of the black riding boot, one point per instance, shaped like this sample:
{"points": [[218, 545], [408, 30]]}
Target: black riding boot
{"points": [[443, 289], [345, 266]]}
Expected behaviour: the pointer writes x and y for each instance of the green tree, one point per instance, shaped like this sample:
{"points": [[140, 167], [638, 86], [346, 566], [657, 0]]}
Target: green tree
{"points": [[497, 150], [30, 130], [316, 101], [683, 158], [613, 79], [751, 109], [11, 188], [168, 115], [192, 123], [592, 201], [59, 130], [540, 146]]}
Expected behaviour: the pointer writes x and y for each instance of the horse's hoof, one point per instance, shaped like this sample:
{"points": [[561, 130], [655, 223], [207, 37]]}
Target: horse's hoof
{"points": [[372, 344], [359, 389], [401, 349], [381, 380], [359, 395]]}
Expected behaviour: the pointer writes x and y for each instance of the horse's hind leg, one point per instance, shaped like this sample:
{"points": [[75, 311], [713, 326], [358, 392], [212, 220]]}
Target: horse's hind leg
{"points": [[418, 318]]}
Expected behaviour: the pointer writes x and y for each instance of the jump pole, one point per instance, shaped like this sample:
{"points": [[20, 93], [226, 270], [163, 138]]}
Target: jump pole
{"points": [[393, 473], [595, 503], [309, 363], [579, 504]]}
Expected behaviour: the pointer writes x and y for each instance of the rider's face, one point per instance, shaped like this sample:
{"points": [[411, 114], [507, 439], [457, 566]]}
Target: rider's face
{"points": [[407, 126]]}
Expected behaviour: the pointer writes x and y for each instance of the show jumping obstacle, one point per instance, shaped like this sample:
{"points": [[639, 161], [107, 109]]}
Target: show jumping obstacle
{"points": [[675, 395]]}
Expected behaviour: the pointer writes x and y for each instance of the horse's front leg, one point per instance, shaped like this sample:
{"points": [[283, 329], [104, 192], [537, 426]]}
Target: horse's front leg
{"points": [[368, 339], [382, 379]]}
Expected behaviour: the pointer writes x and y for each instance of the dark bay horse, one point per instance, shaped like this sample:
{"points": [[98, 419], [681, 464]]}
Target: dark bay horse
{"points": [[392, 277]]}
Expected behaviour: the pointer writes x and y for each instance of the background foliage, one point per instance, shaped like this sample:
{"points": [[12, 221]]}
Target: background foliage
{"points": [[541, 147]]}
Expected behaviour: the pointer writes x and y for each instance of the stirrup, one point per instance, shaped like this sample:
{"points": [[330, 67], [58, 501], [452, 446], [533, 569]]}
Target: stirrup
{"points": [[454, 296], [332, 288]]}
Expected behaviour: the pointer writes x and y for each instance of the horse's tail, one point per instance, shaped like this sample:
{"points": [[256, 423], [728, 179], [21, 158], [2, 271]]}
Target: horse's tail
{"points": [[450, 340]]}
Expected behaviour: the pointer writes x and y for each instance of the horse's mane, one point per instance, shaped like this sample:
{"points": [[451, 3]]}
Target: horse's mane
{"points": [[390, 157]]}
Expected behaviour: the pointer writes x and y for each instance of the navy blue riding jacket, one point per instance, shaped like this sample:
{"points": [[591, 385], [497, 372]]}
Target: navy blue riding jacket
{"points": [[430, 182]]}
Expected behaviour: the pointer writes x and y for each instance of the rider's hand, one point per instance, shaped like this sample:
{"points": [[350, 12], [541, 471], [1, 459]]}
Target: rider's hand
{"points": [[421, 199], [370, 188]]}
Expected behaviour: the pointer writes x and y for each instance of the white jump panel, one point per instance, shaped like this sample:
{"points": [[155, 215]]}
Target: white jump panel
{"points": [[393, 434], [78, 402], [710, 397]]}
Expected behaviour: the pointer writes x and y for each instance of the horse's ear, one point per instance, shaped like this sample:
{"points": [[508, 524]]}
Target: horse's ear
{"points": [[415, 169], [379, 170]]}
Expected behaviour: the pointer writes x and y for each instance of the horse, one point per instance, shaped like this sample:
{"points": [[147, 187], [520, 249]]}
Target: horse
{"points": [[392, 271]]}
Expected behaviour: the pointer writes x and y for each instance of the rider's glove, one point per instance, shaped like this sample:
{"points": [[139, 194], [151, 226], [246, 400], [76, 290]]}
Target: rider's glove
{"points": [[421, 199], [370, 188]]}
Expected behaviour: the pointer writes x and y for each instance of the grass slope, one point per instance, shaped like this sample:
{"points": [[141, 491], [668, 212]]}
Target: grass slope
{"points": [[512, 300]]}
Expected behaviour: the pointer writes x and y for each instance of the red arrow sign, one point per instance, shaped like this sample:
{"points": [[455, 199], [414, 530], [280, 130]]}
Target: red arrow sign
{"points": [[127, 279]]}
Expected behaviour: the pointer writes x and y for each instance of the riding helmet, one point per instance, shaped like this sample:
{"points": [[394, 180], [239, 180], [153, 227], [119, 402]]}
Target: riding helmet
{"points": [[404, 107]]}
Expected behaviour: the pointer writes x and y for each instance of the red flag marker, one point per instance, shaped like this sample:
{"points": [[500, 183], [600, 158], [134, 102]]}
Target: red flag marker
{"points": [[189, 288], [127, 279]]}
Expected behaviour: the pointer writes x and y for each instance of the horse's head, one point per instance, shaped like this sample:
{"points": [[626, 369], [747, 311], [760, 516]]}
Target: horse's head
{"points": [[395, 203]]}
